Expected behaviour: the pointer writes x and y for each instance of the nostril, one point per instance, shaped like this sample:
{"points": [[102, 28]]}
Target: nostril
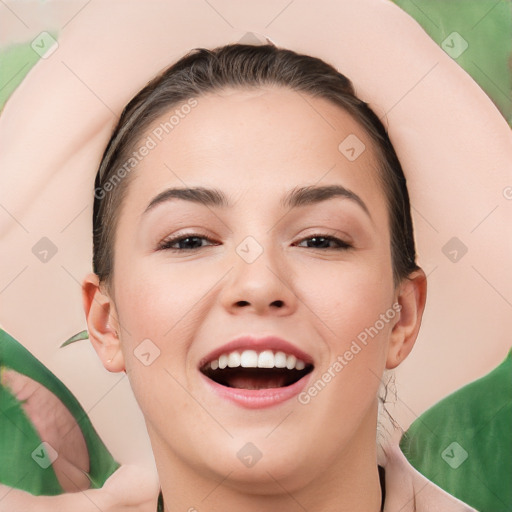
{"points": [[276, 303]]}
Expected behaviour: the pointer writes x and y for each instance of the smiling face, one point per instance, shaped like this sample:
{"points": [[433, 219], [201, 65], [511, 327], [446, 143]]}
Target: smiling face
{"points": [[282, 236]]}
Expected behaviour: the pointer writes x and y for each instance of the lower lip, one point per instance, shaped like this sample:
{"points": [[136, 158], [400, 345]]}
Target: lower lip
{"points": [[258, 398]]}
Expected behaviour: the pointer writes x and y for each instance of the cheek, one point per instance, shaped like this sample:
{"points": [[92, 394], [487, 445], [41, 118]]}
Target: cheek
{"points": [[347, 298], [153, 313], [346, 307], [162, 302], [353, 311]]}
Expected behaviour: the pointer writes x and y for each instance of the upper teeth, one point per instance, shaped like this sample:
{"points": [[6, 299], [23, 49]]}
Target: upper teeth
{"points": [[253, 359]]}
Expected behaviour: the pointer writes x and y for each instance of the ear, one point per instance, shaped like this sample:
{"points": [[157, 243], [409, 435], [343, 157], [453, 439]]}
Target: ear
{"points": [[411, 296], [102, 323]]}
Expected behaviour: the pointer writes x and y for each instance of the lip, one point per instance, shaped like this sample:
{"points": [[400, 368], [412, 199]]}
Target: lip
{"points": [[273, 343], [257, 398]]}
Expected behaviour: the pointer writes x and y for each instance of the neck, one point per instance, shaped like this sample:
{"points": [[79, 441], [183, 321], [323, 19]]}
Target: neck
{"points": [[349, 482]]}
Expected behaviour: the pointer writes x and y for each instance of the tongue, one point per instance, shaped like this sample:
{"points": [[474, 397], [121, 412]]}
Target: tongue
{"points": [[246, 382]]}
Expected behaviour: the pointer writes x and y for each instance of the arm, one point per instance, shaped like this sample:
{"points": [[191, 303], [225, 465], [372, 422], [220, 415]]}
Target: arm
{"points": [[129, 489]]}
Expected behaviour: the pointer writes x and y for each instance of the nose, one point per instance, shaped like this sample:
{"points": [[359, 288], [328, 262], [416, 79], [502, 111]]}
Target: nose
{"points": [[259, 281]]}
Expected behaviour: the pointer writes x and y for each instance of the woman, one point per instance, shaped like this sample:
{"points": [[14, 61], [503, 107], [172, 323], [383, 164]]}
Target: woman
{"points": [[255, 275]]}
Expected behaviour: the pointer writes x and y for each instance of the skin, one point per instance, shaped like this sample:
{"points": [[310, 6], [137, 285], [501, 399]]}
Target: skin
{"points": [[130, 488], [320, 456]]}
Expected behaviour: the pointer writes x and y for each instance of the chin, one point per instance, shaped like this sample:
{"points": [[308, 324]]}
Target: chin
{"points": [[254, 461]]}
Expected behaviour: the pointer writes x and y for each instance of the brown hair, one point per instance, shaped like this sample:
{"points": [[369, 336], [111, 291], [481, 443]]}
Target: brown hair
{"points": [[242, 66]]}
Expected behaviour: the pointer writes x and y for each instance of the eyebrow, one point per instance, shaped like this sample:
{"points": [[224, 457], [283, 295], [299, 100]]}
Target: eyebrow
{"points": [[297, 197]]}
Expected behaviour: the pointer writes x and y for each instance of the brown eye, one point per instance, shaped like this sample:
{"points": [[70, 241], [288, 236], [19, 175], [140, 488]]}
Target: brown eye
{"points": [[322, 242], [188, 242]]}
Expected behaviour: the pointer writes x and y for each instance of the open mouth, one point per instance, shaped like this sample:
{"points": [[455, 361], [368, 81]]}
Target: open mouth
{"points": [[250, 369]]}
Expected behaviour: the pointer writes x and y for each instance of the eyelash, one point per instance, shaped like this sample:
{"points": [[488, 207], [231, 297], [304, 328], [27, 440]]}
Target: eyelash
{"points": [[165, 245]]}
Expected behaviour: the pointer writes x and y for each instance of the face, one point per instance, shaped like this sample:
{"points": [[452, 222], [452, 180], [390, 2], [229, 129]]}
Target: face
{"points": [[308, 283]]}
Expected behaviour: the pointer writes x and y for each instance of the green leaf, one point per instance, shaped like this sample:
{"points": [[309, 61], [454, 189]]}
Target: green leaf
{"points": [[82, 335], [19, 437]]}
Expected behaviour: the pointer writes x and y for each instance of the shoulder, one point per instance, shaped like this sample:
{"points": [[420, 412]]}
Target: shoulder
{"points": [[408, 490], [464, 432]]}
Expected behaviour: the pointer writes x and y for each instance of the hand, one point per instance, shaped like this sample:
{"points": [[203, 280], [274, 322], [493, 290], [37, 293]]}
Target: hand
{"points": [[130, 489]]}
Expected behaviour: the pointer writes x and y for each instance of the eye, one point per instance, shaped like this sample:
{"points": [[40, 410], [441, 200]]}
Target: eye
{"points": [[188, 242], [193, 241], [322, 241]]}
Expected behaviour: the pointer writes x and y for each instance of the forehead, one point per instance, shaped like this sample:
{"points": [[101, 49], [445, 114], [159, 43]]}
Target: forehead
{"points": [[274, 119], [257, 140]]}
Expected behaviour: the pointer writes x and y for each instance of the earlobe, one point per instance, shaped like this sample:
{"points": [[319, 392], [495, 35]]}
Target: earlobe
{"points": [[411, 296], [102, 324]]}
